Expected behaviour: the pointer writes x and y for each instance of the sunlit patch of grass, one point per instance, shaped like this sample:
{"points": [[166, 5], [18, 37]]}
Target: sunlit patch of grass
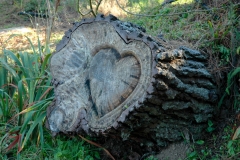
{"points": [[139, 6], [177, 22], [180, 2], [21, 43], [176, 26]]}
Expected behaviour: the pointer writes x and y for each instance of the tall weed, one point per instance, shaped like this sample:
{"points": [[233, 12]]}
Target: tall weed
{"points": [[24, 95]]}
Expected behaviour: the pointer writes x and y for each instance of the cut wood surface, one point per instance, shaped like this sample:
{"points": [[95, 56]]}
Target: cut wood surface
{"points": [[110, 78]]}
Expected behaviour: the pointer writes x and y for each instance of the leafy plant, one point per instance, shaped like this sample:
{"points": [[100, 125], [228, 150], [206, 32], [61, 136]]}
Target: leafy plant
{"points": [[210, 127], [32, 5], [26, 92], [194, 154], [151, 158], [65, 150]]}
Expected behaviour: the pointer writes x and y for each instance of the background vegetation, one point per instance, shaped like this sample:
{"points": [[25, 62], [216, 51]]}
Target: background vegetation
{"points": [[213, 27]]}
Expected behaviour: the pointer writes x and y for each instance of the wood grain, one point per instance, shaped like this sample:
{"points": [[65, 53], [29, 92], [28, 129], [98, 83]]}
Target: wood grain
{"points": [[101, 73]]}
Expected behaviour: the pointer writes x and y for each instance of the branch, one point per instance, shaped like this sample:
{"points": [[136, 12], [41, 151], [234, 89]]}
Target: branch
{"points": [[100, 1], [78, 8], [52, 16], [97, 145], [91, 8]]}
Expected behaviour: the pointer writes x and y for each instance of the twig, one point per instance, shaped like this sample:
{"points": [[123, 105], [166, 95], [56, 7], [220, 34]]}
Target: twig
{"points": [[95, 144], [51, 21], [81, 13], [99, 2], [91, 7]]}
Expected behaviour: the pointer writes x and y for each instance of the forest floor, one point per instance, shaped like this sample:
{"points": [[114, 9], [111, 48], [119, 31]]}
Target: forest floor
{"points": [[16, 29]]}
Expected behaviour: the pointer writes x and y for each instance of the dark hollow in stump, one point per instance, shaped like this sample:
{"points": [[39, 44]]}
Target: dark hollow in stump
{"points": [[111, 79]]}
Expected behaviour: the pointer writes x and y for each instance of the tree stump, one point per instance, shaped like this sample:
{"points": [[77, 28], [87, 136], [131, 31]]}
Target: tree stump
{"points": [[113, 80]]}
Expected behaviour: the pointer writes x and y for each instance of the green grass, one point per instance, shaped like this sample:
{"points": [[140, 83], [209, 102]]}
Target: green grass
{"points": [[177, 22], [59, 148], [25, 93]]}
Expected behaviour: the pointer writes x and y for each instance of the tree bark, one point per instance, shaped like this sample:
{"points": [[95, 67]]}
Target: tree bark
{"points": [[111, 79]]}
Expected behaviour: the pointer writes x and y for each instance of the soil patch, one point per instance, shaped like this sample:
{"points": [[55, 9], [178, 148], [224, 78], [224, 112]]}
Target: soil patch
{"points": [[177, 151]]}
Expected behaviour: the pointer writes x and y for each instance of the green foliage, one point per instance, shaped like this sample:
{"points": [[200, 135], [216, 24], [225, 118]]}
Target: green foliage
{"points": [[227, 149], [151, 158], [231, 75], [65, 150], [59, 148], [193, 155], [24, 95], [200, 142], [210, 127], [232, 88], [33, 5], [174, 21]]}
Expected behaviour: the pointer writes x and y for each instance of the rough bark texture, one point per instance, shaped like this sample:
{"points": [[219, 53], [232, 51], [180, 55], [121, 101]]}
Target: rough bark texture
{"points": [[111, 79]]}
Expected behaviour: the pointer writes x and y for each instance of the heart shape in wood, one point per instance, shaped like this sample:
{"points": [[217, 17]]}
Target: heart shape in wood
{"points": [[99, 73], [112, 78]]}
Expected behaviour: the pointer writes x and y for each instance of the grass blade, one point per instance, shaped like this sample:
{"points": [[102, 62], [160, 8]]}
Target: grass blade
{"points": [[36, 122]]}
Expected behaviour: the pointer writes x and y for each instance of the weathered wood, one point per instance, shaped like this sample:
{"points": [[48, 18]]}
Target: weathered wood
{"points": [[112, 79]]}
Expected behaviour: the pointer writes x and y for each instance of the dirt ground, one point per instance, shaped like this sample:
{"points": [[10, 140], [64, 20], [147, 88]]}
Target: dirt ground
{"points": [[16, 29], [176, 151], [35, 28]]}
